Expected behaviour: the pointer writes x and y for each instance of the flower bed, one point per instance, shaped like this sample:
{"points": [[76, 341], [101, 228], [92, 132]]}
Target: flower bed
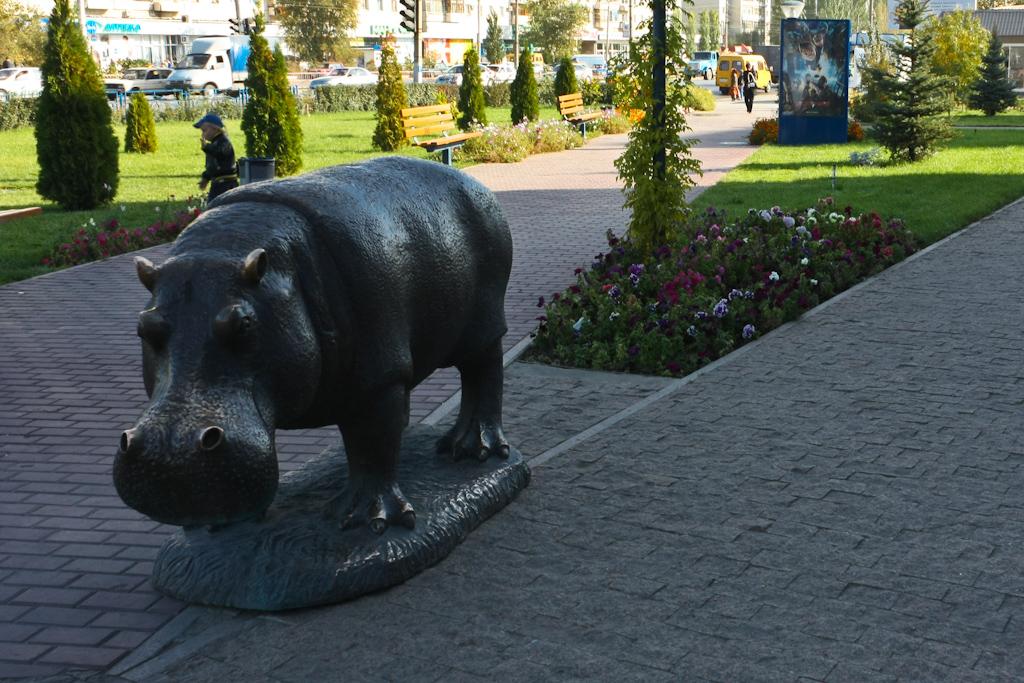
{"points": [[507, 144], [682, 307], [92, 242]]}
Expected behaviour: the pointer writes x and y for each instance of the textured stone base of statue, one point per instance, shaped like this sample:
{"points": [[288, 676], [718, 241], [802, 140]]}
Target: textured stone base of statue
{"points": [[299, 556]]}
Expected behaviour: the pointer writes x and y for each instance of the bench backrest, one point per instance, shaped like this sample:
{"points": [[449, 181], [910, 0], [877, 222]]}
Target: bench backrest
{"points": [[435, 119], [570, 104]]}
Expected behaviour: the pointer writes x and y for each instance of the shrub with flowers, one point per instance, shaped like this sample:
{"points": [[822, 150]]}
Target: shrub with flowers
{"points": [[854, 132], [764, 131], [686, 304], [507, 144], [554, 136], [92, 242], [612, 123]]}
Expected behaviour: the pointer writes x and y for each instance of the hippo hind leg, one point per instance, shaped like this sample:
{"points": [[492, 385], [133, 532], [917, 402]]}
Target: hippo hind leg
{"points": [[477, 432], [373, 439]]}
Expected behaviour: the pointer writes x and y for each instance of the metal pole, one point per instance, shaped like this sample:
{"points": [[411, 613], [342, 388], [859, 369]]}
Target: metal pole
{"points": [[81, 19], [608, 32], [417, 58], [479, 42], [515, 27], [658, 92], [630, 21]]}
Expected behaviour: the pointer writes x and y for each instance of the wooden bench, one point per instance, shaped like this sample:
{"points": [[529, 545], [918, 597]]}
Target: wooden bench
{"points": [[572, 110], [434, 120], [12, 214]]}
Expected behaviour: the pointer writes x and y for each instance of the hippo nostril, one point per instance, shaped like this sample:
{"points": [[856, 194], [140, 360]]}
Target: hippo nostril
{"points": [[129, 438], [210, 438]]}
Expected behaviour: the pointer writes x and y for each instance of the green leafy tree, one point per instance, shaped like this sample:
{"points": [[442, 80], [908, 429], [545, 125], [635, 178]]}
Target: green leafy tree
{"points": [[993, 92], [960, 42], [389, 134], [472, 107], [656, 196], [908, 121], [565, 79], [690, 34], [317, 31], [855, 10], [22, 36], [775, 24], [270, 120], [877, 69], [140, 129], [709, 30], [494, 44], [75, 142], [554, 27], [525, 100]]}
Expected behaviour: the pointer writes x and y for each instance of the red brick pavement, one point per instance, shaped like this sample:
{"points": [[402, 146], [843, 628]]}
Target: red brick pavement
{"points": [[74, 561]]}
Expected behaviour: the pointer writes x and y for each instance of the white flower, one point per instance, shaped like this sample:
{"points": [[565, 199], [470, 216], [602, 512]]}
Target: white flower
{"points": [[804, 261], [774, 277], [814, 282], [812, 221], [123, 208], [578, 325], [766, 215], [788, 221], [834, 216], [614, 315]]}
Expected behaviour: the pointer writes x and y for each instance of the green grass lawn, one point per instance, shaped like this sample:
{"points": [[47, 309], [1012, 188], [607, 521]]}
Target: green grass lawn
{"points": [[975, 117], [979, 172], [164, 180]]}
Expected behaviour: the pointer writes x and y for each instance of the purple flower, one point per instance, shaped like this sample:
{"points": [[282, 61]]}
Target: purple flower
{"points": [[615, 292], [721, 308], [749, 331], [701, 315], [735, 294], [788, 221], [634, 278]]}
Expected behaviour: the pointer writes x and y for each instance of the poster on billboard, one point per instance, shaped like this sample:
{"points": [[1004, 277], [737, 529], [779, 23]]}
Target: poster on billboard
{"points": [[934, 8], [815, 55]]}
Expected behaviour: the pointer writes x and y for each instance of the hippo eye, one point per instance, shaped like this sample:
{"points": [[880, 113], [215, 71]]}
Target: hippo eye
{"points": [[233, 322], [153, 327]]}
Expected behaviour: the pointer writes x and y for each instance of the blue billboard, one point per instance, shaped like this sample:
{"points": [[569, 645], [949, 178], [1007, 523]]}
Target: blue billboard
{"points": [[813, 93]]}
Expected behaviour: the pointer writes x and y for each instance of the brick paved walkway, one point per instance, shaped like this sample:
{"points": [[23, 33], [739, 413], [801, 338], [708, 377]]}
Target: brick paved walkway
{"points": [[839, 501], [74, 561]]}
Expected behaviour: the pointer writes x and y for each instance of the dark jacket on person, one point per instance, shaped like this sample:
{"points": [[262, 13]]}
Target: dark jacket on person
{"points": [[220, 158]]}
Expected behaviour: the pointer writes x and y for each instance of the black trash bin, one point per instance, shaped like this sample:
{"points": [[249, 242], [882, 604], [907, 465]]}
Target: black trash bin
{"points": [[254, 169]]}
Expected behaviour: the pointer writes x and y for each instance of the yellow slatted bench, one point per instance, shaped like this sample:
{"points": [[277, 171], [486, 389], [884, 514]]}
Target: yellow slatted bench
{"points": [[434, 120], [572, 110], [12, 214]]}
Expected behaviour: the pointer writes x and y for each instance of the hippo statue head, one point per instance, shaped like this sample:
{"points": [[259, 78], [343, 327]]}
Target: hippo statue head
{"points": [[228, 352]]}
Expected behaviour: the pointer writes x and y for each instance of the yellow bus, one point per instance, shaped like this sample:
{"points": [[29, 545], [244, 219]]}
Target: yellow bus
{"points": [[727, 61]]}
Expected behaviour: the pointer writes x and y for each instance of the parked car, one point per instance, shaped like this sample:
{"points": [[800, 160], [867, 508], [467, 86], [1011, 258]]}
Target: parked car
{"points": [[583, 72], [152, 81], [453, 76], [20, 81], [505, 72], [597, 64], [345, 75]]}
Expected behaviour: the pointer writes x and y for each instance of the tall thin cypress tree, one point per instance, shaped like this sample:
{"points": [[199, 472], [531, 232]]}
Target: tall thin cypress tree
{"points": [[908, 121], [566, 82], [525, 100], [993, 91], [389, 134], [471, 92], [139, 126], [75, 142], [271, 117]]}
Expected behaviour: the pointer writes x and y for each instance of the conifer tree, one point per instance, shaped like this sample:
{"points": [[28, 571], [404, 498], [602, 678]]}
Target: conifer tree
{"points": [[140, 129], [75, 142], [271, 117], [494, 44], [993, 91], [565, 79], [471, 92], [908, 121], [525, 100], [389, 134]]}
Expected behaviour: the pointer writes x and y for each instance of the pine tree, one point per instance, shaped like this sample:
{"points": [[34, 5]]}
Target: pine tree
{"points": [[525, 100], [140, 129], [494, 44], [75, 142], [908, 121], [271, 117], [471, 92], [565, 79], [993, 91], [389, 134]]}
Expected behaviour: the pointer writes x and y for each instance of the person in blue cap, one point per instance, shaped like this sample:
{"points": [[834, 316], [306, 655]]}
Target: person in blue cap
{"points": [[220, 173]]}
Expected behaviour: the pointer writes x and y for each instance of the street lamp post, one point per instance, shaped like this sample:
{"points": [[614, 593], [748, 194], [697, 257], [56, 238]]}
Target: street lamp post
{"points": [[791, 9], [515, 28]]}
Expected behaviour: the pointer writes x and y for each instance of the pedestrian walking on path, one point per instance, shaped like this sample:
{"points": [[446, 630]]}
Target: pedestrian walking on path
{"points": [[220, 173], [749, 86], [734, 80]]}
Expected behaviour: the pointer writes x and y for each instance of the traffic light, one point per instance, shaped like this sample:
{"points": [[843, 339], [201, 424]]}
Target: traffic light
{"points": [[409, 15], [235, 25]]}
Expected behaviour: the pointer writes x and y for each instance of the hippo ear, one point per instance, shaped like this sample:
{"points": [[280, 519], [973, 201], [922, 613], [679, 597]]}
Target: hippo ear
{"points": [[255, 266], [146, 272]]}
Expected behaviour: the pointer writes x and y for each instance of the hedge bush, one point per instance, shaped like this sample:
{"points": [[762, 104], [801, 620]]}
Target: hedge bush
{"points": [[700, 98], [337, 98], [140, 129], [18, 112]]}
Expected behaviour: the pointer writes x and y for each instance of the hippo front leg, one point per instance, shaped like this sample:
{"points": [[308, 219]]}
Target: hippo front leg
{"points": [[373, 437]]}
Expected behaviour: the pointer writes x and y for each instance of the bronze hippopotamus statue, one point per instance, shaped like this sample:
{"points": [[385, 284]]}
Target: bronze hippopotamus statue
{"points": [[310, 301]]}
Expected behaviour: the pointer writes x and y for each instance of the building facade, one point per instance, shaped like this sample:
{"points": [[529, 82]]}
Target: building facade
{"points": [[160, 31], [1009, 24]]}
